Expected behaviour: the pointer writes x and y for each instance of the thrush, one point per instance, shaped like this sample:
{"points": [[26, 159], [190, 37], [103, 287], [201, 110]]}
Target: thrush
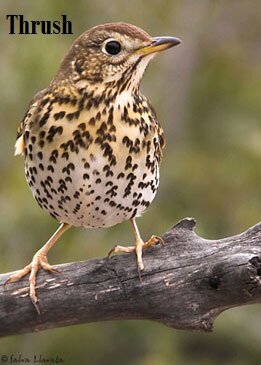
{"points": [[91, 140]]}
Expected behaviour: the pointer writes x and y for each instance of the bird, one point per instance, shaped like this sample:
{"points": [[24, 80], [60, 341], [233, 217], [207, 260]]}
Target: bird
{"points": [[91, 140]]}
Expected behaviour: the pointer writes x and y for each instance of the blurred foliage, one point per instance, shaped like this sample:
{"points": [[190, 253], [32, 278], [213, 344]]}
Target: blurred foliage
{"points": [[207, 93]]}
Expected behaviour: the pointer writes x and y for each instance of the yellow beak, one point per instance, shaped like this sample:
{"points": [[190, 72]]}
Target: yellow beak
{"points": [[158, 44]]}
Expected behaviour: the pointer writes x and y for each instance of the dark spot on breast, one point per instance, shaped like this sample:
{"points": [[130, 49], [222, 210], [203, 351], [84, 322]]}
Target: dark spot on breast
{"points": [[53, 130], [120, 175], [44, 119], [65, 155], [41, 143], [74, 115], [70, 167], [33, 139], [50, 168], [82, 126], [92, 121], [59, 115], [41, 134]]}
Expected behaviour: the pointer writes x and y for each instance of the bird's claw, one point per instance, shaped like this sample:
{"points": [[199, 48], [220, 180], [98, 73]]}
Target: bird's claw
{"points": [[153, 240], [138, 248], [39, 261]]}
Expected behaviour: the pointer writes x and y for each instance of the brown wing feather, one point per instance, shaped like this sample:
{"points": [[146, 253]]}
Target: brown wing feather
{"points": [[29, 115]]}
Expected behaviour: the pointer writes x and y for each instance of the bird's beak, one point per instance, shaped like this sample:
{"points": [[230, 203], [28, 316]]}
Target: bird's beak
{"points": [[158, 44]]}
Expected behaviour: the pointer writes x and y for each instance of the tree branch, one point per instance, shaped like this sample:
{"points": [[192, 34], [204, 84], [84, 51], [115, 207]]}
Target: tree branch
{"points": [[186, 284]]}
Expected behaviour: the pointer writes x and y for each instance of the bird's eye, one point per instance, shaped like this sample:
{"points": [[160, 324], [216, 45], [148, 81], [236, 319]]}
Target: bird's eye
{"points": [[112, 47]]}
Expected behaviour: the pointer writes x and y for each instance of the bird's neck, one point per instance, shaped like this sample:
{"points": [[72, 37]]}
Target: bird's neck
{"points": [[122, 91], [123, 86]]}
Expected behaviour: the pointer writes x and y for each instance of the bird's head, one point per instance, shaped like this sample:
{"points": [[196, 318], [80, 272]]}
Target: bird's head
{"points": [[111, 53]]}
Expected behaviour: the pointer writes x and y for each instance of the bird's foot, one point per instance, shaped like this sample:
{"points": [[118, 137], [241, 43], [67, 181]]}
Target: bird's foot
{"points": [[139, 246], [39, 261]]}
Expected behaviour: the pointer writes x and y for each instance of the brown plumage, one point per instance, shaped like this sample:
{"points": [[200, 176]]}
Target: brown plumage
{"points": [[91, 141]]}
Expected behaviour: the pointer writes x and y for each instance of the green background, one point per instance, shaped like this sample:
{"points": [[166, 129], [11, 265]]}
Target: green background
{"points": [[207, 93]]}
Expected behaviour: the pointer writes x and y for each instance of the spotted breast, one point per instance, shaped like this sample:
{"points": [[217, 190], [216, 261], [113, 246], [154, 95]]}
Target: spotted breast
{"points": [[92, 160]]}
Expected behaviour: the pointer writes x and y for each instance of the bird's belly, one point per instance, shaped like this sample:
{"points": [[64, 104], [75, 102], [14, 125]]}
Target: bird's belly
{"points": [[88, 190]]}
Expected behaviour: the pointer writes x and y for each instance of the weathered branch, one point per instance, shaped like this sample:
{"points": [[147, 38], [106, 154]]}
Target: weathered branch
{"points": [[186, 284]]}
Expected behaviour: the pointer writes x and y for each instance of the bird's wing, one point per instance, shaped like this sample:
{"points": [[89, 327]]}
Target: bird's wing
{"points": [[29, 116], [160, 133], [162, 141]]}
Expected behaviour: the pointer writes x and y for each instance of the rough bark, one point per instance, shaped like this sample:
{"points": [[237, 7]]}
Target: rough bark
{"points": [[186, 284]]}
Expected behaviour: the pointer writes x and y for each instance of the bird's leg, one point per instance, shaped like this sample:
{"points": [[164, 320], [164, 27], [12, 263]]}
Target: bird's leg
{"points": [[138, 246], [39, 261]]}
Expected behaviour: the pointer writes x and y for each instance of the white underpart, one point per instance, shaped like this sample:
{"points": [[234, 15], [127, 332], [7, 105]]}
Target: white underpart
{"points": [[141, 68], [123, 98], [139, 71]]}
